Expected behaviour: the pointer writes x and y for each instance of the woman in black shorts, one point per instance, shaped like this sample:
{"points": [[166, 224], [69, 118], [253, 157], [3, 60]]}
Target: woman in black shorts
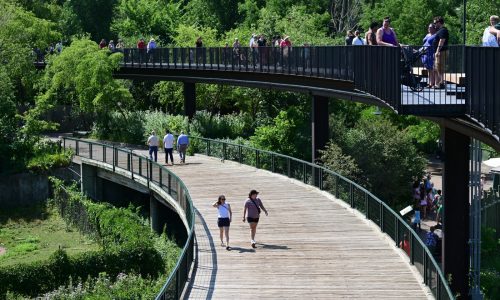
{"points": [[253, 206], [225, 216]]}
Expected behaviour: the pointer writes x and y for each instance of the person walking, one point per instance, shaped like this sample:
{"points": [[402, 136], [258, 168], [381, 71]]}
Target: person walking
{"points": [[253, 206], [153, 146], [168, 145], [182, 144], [440, 45], [224, 217]]}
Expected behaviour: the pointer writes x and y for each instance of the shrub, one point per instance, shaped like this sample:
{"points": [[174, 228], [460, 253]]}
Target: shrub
{"points": [[127, 127]]}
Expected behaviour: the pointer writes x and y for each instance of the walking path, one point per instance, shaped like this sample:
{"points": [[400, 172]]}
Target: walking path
{"points": [[310, 246]]}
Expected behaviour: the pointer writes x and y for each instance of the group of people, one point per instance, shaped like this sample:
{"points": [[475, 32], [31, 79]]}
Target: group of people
{"points": [[168, 146], [119, 46], [251, 214], [51, 49], [426, 200]]}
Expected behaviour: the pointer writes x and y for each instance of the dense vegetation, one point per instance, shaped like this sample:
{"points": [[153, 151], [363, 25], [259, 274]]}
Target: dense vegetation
{"points": [[127, 250]]}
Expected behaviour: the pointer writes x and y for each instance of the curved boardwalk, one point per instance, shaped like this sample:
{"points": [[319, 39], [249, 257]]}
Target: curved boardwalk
{"points": [[310, 246]]}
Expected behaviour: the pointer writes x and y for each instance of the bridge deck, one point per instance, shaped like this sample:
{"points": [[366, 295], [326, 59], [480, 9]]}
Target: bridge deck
{"points": [[310, 245]]}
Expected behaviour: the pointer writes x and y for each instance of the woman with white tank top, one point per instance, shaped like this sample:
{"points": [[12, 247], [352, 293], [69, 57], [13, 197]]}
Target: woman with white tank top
{"points": [[225, 216]]}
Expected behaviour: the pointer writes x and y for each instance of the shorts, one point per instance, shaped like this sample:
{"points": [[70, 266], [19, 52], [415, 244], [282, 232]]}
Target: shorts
{"points": [[440, 62], [252, 220], [223, 222]]}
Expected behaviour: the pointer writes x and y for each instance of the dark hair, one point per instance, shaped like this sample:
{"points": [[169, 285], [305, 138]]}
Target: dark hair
{"points": [[373, 25], [219, 200], [439, 19], [387, 19], [252, 192], [167, 131]]}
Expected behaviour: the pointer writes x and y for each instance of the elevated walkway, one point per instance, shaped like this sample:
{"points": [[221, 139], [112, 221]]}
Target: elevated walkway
{"points": [[310, 246]]}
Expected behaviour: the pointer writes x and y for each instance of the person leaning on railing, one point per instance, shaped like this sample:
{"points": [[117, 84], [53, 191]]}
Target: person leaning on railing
{"points": [[491, 34], [386, 36]]}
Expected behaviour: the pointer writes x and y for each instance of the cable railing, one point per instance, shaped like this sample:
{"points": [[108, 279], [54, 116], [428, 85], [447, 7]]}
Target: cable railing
{"points": [[389, 221], [154, 173]]}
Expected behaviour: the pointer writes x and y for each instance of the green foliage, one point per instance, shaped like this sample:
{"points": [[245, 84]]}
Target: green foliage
{"points": [[218, 126], [333, 158], [170, 95], [288, 134], [386, 156], [125, 126], [7, 120], [93, 16], [186, 35], [144, 18], [159, 122], [490, 263], [303, 27], [478, 16], [49, 161]]}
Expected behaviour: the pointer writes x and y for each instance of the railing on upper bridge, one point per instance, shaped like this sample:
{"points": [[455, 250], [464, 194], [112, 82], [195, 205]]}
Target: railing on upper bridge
{"points": [[389, 221], [153, 173], [397, 76]]}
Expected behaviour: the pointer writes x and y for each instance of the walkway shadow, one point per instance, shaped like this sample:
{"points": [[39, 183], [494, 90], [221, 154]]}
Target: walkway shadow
{"points": [[273, 247], [242, 250], [192, 289]]}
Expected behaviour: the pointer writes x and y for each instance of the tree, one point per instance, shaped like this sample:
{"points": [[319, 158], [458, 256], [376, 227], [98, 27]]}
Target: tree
{"points": [[82, 75], [139, 18], [8, 122], [94, 16]]}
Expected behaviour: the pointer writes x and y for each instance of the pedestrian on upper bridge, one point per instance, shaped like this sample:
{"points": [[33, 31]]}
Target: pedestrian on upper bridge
{"points": [[153, 146], [224, 218], [253, 206], [182, 144], [151, 49], [199, 49], [386, 36], [371, 34], [440, 45], [141, 46]]}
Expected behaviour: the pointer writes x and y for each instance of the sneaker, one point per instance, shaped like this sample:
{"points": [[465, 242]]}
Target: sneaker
{"points": [[253, 244], [222, 244], [228, 248]]}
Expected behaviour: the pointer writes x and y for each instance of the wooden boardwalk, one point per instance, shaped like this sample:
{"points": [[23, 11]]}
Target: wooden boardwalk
{"points": [[311, 246]]}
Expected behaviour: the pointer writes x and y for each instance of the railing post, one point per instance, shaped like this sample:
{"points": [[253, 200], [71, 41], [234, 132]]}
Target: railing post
{"points": [[90, 151], [177, 279], [240, 158], [381, 219], [140, 166], [150, 174], [132, 164], [273, 167], [288, 166], [257, 159], [224, 148], [169, 183], [367, 208], [320, 177], [128, 161], [208, 148], [337, 193], [396, 231], [147, 171], [351, 195], [114, 158], [161, 183], [412, 250], [64, 143], [304, 173], [103, 153], [77, 150]]}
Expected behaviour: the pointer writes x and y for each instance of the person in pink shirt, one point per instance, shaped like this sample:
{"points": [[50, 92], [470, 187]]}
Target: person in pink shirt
{"points": [[253, 206], [286, 48]]}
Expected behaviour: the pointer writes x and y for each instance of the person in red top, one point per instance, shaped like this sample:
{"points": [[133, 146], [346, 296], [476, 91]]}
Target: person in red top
{"points": [[286, 45], [102, 44], [405, 245], [141, 45]]}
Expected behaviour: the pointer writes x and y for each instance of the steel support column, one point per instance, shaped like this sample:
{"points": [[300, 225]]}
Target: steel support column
{"points": [[456, 211], [189, 99], [319, 125]]}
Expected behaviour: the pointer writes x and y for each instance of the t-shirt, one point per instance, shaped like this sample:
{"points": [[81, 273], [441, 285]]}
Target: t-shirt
{"points": [[431, 239], [357, 41], [441, 34], [153, 141], [261, 43], [489, 40], [252, 211], [168, 141]]}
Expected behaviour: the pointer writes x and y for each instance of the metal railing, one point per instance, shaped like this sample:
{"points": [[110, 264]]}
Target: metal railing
{"points": [[389, 221], [153, 173], [490, 209], [327, 62], [482, 65]]}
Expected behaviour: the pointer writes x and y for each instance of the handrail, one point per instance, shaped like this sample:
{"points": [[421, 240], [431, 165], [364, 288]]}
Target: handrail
{"points": [[174, 186], [358, 197]]}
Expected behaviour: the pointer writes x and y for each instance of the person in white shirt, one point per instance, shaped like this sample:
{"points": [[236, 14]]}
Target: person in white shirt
{"points": [[168, 145], [153, 146], [225, 216], [358, 40], [490, 33]]}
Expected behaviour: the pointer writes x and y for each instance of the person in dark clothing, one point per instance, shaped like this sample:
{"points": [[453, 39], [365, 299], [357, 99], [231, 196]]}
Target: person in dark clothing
{"points": [[440, 45], [349, 38], [371, 35]]}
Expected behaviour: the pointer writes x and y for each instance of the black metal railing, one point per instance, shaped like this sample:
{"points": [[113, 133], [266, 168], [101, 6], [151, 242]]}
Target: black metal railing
{"points": [[483, 105], [389, 221], [153, 173], [328, 62]]}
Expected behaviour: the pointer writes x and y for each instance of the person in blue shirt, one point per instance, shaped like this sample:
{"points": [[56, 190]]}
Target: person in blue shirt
{"points": [[431, 240], [182, 144]]}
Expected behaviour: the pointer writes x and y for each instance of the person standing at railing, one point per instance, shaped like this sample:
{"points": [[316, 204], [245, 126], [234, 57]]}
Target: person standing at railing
{"points": [[168, 146], [199, 49], [358, 40], [141, 46], [111, 46], [349, 38], [286, 48], [253, 205], [428, 57], [182, 144], [102, 44], [440, 45], [386, 36], [253, 48], [236, 51], [405, 244], [151, 50], [153, 146], [491, 34], [224, 218], [262, 43], [371, 34], [120, 46]]}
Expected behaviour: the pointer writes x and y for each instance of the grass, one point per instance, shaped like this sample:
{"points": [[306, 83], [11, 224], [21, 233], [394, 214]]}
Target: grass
{"points": [[34, 233]]}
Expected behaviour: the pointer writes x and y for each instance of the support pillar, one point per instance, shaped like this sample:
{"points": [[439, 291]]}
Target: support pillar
{"points": [[153, 214], [455, 248], [319, 120], [91, 184], [189, 99]]}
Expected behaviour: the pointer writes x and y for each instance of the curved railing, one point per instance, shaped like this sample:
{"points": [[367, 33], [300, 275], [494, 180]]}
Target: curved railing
{"points": [[389, 221], [153, 173]]}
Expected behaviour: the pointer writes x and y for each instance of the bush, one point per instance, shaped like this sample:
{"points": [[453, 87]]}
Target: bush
{"points": [[48, 155], [219, 126], [127, 127]]}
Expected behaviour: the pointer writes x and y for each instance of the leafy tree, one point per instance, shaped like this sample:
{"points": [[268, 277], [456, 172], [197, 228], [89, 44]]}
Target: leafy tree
{"points": [[136, 18], [287, 134], [8, 122], [387, 157], [478, 14], [83, 74], [343, 164], [94, 16], [303, 27], [186, 35], [170, 95]]}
